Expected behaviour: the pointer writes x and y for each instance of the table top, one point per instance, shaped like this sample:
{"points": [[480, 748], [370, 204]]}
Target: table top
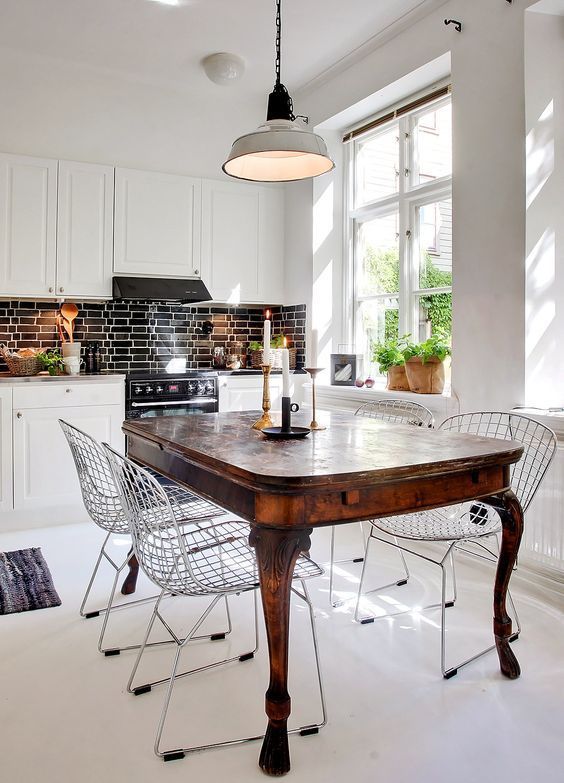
{"points": [[352, 448]]}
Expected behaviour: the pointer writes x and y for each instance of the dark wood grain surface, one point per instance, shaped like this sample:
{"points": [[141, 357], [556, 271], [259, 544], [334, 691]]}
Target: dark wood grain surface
{"points": [[352, 448], [356, 469]]}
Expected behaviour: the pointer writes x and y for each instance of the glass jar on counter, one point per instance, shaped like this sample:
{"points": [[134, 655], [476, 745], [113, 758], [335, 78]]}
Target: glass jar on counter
{"points": [[236, 357], [219, 358]]}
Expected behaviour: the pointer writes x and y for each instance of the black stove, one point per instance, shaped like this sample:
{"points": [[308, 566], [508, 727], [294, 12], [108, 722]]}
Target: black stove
{"points": [[159, 393]]}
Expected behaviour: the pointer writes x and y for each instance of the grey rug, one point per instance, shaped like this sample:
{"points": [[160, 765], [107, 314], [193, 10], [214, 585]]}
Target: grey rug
{"points": [[25, 582]]}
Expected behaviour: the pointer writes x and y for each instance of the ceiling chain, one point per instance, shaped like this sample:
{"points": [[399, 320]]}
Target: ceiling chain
{"points": [[278, 37]]}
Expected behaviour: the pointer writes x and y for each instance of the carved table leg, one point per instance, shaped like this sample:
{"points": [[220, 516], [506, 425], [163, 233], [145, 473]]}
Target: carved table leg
{"points": [[277, 552], [511, 515], [130, 581]]}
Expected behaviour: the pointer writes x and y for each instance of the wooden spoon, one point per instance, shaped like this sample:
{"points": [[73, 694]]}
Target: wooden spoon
{"points": [[69, 311], [59, 327]]}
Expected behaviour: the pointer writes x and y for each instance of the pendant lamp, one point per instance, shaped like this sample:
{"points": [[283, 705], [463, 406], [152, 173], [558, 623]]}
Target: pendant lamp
{"points": [[280, 150]]}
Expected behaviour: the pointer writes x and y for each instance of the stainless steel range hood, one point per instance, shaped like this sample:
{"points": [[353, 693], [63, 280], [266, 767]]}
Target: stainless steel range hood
{"points": [[160, 289]]}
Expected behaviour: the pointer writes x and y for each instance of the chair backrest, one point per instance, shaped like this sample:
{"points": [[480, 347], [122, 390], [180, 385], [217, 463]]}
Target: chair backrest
{"points": [[539, 444], [398, 411], [156, 537], [97, 485]]}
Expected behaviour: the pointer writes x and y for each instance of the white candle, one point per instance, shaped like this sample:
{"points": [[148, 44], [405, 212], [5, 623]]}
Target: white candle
{"points": [[285, 372], [313, 348], [266, 343]]}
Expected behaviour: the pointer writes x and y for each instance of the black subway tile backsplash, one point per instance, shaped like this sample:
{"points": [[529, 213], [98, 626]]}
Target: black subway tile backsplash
{"points": [[135, 335]]}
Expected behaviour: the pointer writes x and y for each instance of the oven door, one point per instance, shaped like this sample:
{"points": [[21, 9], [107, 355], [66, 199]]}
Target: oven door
{"points": [[146, 410]]}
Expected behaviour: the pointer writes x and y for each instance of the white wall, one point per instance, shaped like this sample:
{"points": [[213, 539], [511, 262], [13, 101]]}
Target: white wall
{"points": [[59, 110], [489, 186], [544, 61]]}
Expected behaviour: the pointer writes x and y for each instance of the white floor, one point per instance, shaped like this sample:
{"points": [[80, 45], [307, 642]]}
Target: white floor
{"points": [[65, 715]]}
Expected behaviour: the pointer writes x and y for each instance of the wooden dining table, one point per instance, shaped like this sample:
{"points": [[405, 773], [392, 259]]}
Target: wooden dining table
{"points": [[356, 469]]}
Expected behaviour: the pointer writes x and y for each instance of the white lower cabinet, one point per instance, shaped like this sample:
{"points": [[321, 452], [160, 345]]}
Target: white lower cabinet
{"points": [[244, 393], [43, 469], [5, 449]]}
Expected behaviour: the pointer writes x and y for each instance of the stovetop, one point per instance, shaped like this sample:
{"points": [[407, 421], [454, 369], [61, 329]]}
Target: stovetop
{"points": [[161, 375]]}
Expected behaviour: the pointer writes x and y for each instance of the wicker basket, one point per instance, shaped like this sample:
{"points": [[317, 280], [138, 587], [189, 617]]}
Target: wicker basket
{"points": [[18, 365], [275, 358]]}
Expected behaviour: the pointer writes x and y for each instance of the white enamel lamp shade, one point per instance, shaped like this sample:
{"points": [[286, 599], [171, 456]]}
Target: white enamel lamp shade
{"points": [[278, 151]]}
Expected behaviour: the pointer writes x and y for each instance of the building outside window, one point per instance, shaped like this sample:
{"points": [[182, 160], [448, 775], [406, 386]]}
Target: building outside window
{"points": [[400, 225]]}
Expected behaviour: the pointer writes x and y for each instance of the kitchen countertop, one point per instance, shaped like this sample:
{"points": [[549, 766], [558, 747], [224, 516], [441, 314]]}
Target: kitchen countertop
{"points": [[6, 378]]}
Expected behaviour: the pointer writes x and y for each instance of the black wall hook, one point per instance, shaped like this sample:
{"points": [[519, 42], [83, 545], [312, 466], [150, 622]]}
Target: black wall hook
{"points": [[457, 25]]}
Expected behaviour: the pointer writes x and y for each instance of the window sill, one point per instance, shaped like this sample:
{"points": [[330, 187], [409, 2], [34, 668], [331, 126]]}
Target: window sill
{"points": [[352, 397]]}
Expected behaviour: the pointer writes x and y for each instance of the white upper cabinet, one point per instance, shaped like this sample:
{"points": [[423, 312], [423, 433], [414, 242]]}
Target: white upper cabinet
{"points": [[242, 242], [85, 230], [271, 246], [28, 226], [157, 224]]}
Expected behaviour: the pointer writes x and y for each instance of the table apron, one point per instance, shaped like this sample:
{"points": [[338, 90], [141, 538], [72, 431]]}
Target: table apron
{"points": [[315, 506]]}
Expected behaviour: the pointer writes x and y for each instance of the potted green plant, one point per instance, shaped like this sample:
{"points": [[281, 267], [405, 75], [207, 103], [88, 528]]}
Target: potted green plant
{"points": [[52, 361], [391, 357], [425, 366]]}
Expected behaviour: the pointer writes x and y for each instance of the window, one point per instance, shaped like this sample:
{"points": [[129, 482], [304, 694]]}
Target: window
{"points": [[400, 225]]}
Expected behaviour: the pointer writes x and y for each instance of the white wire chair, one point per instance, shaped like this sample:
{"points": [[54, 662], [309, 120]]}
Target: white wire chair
{"points": [[466, 527], [213, 562], [104, 507], [397, 411]]}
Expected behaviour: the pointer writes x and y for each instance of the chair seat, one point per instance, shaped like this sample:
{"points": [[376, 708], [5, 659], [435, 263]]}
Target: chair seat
{"points": [[220, 559], [454, 523]]}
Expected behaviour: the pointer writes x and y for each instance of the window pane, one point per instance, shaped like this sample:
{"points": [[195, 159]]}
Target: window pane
{"points": [[378, 254], [433, 139], [435, 244], [435, 315], [379, 321], [377, 166]]}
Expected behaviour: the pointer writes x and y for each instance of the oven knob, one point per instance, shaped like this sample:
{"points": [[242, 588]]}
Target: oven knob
{"points": [[192, 387], [148, 389], [201, 389], [159, 390], [138, 390], [209, 388]]}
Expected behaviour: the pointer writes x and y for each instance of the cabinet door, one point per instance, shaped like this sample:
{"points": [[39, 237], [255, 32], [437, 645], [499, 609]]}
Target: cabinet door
{"points": [[85, 230], [157, 224], [271, 246], [44, 472], [245, 393], [5, 449], [28, 225], [243, 242], [230, 241]]}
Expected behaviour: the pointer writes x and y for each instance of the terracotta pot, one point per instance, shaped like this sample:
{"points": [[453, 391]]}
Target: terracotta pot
{"points": [[428, 378], [397, 379]]}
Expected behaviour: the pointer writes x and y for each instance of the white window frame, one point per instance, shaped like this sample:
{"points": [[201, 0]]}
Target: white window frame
{"points": [[410, 197]]}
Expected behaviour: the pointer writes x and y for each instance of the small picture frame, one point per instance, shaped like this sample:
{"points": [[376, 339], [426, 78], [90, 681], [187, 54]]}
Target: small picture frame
{"points": [[345, 368]]}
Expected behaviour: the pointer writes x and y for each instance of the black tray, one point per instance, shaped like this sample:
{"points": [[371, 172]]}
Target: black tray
{"points": [[295, 432]]}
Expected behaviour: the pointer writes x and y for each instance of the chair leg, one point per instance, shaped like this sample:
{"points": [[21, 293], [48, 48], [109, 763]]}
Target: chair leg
{"points": [[191, 637], [96, 612], [313, 728], [398, 583], [178, 753], [333, 562]]}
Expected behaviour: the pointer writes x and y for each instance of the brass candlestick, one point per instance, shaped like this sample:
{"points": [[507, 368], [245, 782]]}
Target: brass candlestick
{"points": [[265, 420], [313, 371]]}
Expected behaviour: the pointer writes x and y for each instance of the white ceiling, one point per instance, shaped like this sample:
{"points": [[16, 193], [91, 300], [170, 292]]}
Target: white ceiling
{"points": [[163, 44]]}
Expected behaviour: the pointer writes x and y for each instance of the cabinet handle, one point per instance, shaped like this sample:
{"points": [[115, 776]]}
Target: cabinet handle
{"points": [[19, 414], [196, 271], [50, 289], [61, 289], [68, 391]]}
